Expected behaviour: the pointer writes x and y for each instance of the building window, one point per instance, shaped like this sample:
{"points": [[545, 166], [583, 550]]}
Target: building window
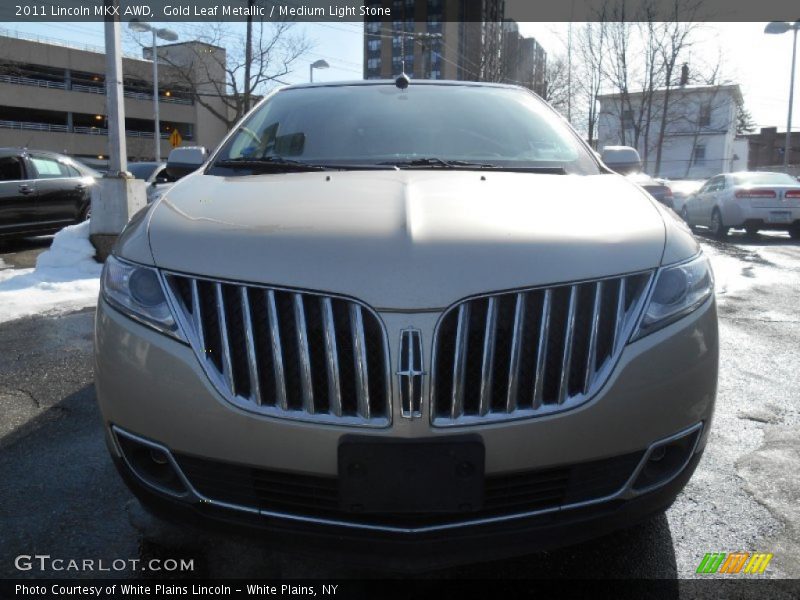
{"points": [[705, 116], [627, 119], [699, 155]]}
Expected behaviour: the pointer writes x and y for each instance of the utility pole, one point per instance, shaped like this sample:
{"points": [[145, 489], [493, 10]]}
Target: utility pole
{"points": [[117, 196]]}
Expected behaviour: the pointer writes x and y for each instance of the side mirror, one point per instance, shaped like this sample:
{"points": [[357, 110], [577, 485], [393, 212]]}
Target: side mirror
{"points": [[622, 159], [185, 160]]}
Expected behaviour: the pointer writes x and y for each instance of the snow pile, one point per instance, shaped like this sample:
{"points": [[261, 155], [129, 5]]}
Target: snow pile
{"points": [[66, 278]]}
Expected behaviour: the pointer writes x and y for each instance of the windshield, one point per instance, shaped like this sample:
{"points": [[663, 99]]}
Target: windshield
{"points": [[422, 126], [142, 170], [763, 179]]}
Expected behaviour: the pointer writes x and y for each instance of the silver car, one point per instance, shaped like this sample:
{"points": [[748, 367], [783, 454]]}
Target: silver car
{"points": [[423, 323], [751, 201]]}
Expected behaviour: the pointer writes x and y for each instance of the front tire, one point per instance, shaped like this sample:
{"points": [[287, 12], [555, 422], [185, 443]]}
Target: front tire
{"points": [[86, 213], [794, 232], [718, 230]]}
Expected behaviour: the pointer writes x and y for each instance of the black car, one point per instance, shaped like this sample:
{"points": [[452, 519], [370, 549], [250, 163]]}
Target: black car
{"points": [[41, 192]]}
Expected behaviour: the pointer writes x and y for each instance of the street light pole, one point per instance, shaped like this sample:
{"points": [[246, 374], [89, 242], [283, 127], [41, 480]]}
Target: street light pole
{"points": [[317, 64], [778, 27], [170, 36], [157, 121], [788, 144]]}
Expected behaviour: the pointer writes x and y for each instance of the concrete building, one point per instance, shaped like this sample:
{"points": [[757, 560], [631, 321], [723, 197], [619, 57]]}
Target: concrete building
{"points": [[437, 39], [699, 134], [52, 97], [524, 59], [767, 149]]}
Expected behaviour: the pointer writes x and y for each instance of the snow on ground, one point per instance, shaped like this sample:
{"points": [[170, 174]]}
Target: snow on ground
{"points": [[66, 278]]}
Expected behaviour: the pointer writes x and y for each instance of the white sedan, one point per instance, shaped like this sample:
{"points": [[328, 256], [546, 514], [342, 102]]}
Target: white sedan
{"points": [[747, 200]]}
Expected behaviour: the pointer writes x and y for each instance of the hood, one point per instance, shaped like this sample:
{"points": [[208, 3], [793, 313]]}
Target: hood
{"points": [[406, 239]]}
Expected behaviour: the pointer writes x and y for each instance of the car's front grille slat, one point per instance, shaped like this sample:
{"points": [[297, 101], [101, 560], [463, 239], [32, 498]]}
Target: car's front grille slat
{"points": [[277, 351], [303, 354], [360, 361], [222, 319], [533, 352], [287, 354]]}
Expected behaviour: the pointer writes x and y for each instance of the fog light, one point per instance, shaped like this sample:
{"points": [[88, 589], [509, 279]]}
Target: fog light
{"points": [[666, 461], [158, 457], [151, 464]]}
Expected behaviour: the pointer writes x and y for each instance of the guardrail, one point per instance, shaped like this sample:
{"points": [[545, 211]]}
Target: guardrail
{"points": [[81, 129], [33, 126], [89, 89]]}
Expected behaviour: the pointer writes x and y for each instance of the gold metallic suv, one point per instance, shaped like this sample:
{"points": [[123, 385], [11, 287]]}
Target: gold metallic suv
{"points": [[421, 316]]}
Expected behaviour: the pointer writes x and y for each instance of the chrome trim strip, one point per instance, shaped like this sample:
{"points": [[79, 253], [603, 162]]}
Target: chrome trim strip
{"points": [[360, 358], [541, 350], [516, 353], [277, 351], [487, 363], [591, 353], [569, 334], [620, 316], [626, 492], [227, 366], [250, 341], [197, 317], [303, 354], [332, 358], [460, 362]]}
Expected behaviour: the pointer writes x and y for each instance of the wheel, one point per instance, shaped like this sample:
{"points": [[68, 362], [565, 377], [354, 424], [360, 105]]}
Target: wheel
{"points": [[718, 230], [86, 213], [794, 232], [751, 231], [685, 217]]}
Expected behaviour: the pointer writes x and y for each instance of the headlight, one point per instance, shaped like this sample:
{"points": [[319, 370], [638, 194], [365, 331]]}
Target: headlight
{"points": [[136, 291], [678, 290]]}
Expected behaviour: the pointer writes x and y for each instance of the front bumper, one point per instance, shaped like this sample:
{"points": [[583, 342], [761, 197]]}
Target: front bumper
{"points": [[153, 387]]}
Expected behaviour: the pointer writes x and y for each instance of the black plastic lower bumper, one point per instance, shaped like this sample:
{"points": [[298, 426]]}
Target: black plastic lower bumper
{"points": [[417, 552]]}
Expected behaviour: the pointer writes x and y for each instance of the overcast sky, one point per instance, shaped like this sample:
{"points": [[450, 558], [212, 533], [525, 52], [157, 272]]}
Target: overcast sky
{"points": [[760, 63]]}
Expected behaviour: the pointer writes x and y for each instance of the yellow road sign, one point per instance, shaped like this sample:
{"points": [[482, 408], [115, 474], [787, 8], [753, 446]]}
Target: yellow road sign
{"points": [[175, 138]]}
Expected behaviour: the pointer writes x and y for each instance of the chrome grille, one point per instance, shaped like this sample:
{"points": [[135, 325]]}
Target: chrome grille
{"points": [[287, 354], [533, 352]]}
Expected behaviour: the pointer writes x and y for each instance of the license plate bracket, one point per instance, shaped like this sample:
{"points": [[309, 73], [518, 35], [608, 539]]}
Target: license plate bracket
{"points": [[779, 216], [411, 476]]}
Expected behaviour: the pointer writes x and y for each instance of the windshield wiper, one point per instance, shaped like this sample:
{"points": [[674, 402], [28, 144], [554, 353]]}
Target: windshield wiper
{"points": [[267, 164], [435, 162]]}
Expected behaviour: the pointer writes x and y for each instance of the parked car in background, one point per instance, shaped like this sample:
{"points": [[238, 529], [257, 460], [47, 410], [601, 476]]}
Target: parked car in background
{"points": [[155, 175], [682, 189], [656, 188], [422, 321], [42, 192], [625, 160], [749, 200]]}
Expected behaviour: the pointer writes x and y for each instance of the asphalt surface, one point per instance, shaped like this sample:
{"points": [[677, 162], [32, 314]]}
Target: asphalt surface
{"points": [[60, 495]]}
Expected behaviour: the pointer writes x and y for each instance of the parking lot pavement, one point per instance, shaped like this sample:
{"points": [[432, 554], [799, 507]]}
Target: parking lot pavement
{"points": [[21, 254], [59, 494]]}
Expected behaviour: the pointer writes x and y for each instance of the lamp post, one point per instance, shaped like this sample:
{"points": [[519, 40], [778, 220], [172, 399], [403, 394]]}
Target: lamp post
{"points": [[317, 64], [164, 34], [778, 27]]}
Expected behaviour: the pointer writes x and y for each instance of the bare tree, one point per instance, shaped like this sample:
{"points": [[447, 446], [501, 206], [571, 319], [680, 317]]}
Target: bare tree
{"points": [[225, 72], [591, 44], [557, 85], [677, 40]]}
